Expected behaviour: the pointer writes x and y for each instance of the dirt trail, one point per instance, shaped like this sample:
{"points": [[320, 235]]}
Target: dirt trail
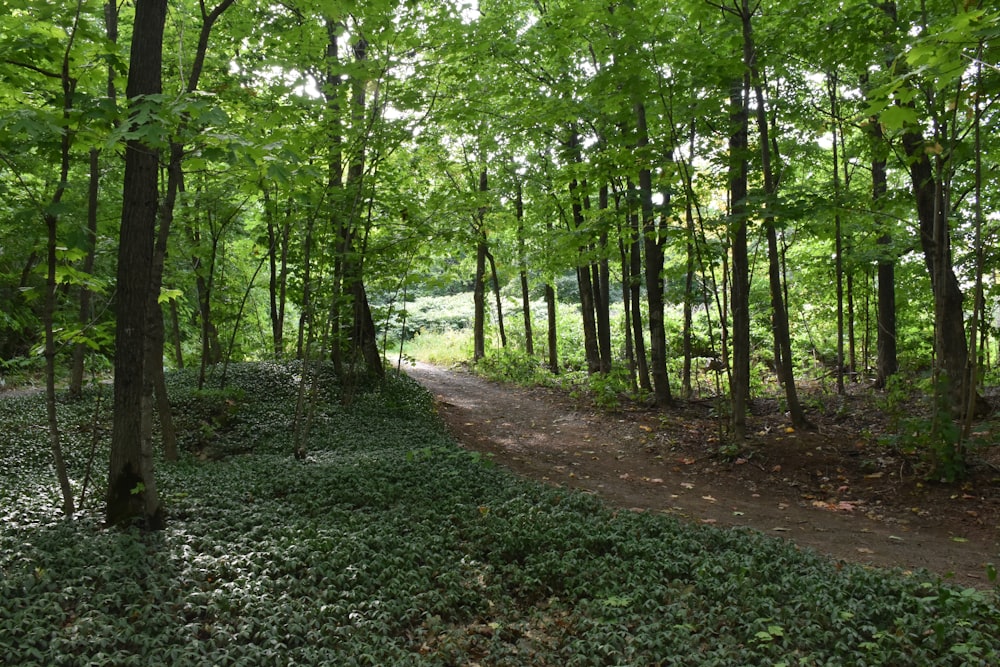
{"points": [[651, 461]]}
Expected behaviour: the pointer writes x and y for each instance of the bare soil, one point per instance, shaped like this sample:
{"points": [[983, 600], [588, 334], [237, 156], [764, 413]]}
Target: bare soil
{"points": [[833, 489]]}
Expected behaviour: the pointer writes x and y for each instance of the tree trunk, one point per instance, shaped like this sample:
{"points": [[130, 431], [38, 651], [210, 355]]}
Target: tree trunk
{"points": [[786, 369], [635, 291], [689, 248], [479, 303], [739, 386], [583, 277], [85, 312], [175, 328], [887, 362], [51, 284], [479, 290], [132, 491], [365, 333], [950, 343], [305, 317], [529, 342], [838, 239], [627, 309], [602, 293], [499, 301], [277, 252], [653, 240], [552, 335]]}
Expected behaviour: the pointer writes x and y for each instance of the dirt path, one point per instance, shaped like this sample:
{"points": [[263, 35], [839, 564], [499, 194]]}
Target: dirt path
{"points": [[795, 487]]}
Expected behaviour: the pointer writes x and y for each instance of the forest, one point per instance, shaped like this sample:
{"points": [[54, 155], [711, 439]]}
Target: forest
{"points": [[701, 200]]}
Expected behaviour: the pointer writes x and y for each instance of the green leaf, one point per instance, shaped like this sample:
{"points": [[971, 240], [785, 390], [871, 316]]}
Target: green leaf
{"points": [[897, 117]]}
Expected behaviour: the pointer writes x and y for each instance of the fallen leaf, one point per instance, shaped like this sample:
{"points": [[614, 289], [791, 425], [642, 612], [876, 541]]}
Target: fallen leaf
{"points": [[708, 521], [875, 475], [623, 476], [708, 498], [959, 539], [865, 550], [687, 461], [687, 485], [776, 468], [656, 480]]}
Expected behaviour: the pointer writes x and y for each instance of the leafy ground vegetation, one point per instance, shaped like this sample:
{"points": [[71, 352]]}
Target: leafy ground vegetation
{"points": [[389, 545]]}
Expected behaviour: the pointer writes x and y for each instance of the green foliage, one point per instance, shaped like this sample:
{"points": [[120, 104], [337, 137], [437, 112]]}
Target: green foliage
{"points": [[510, 365], [922, 425], [389, 545]]}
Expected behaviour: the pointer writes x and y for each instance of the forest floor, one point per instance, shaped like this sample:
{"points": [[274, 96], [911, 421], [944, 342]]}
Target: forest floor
{"points": [[832, 489]]}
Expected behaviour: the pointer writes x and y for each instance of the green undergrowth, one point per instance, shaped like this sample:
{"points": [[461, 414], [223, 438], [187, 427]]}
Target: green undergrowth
{"points": [[389, 545]]}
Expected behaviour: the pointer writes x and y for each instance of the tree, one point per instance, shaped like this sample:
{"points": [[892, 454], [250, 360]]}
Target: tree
{"points": [[132, 493]]}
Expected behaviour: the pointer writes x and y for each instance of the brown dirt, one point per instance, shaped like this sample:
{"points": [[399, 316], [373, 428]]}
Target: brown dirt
{"points": [[831, 489]]}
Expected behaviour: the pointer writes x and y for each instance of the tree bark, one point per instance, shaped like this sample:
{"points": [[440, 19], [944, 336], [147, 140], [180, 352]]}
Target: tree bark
{"points": [[635, 290], [497, 299], [950, 343], [584, 280], [479, 302], [779, 312], [653, 240], [132, 491], [552, 335], [602, 293], [529, 342], [739, 386], [479, 289]]}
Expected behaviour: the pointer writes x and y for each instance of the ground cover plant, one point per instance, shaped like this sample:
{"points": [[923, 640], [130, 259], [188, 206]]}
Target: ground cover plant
{"points": [[389, 545]]}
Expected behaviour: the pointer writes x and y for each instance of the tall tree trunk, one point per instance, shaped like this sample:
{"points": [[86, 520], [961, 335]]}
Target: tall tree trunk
{"points": [[497, 299], [479, 302], [479, 289], [583, 276], [85, 312], [635, 289], [529, 342], [779, 312], [887, 363], [950, 343], [653, 240], [175, 328], [591, 350], [132, 491], [51, 283], [277, 252], [627, 308], [978, 307], [838, 240], [93, 203], [305, 317], [552, 335], [154, 383], [365, 332], [602, 293], [341, 220], [739, 386]]}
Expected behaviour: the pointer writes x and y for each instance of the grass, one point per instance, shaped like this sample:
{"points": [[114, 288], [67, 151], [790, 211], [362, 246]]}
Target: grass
{"points": [[389, 545]]}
